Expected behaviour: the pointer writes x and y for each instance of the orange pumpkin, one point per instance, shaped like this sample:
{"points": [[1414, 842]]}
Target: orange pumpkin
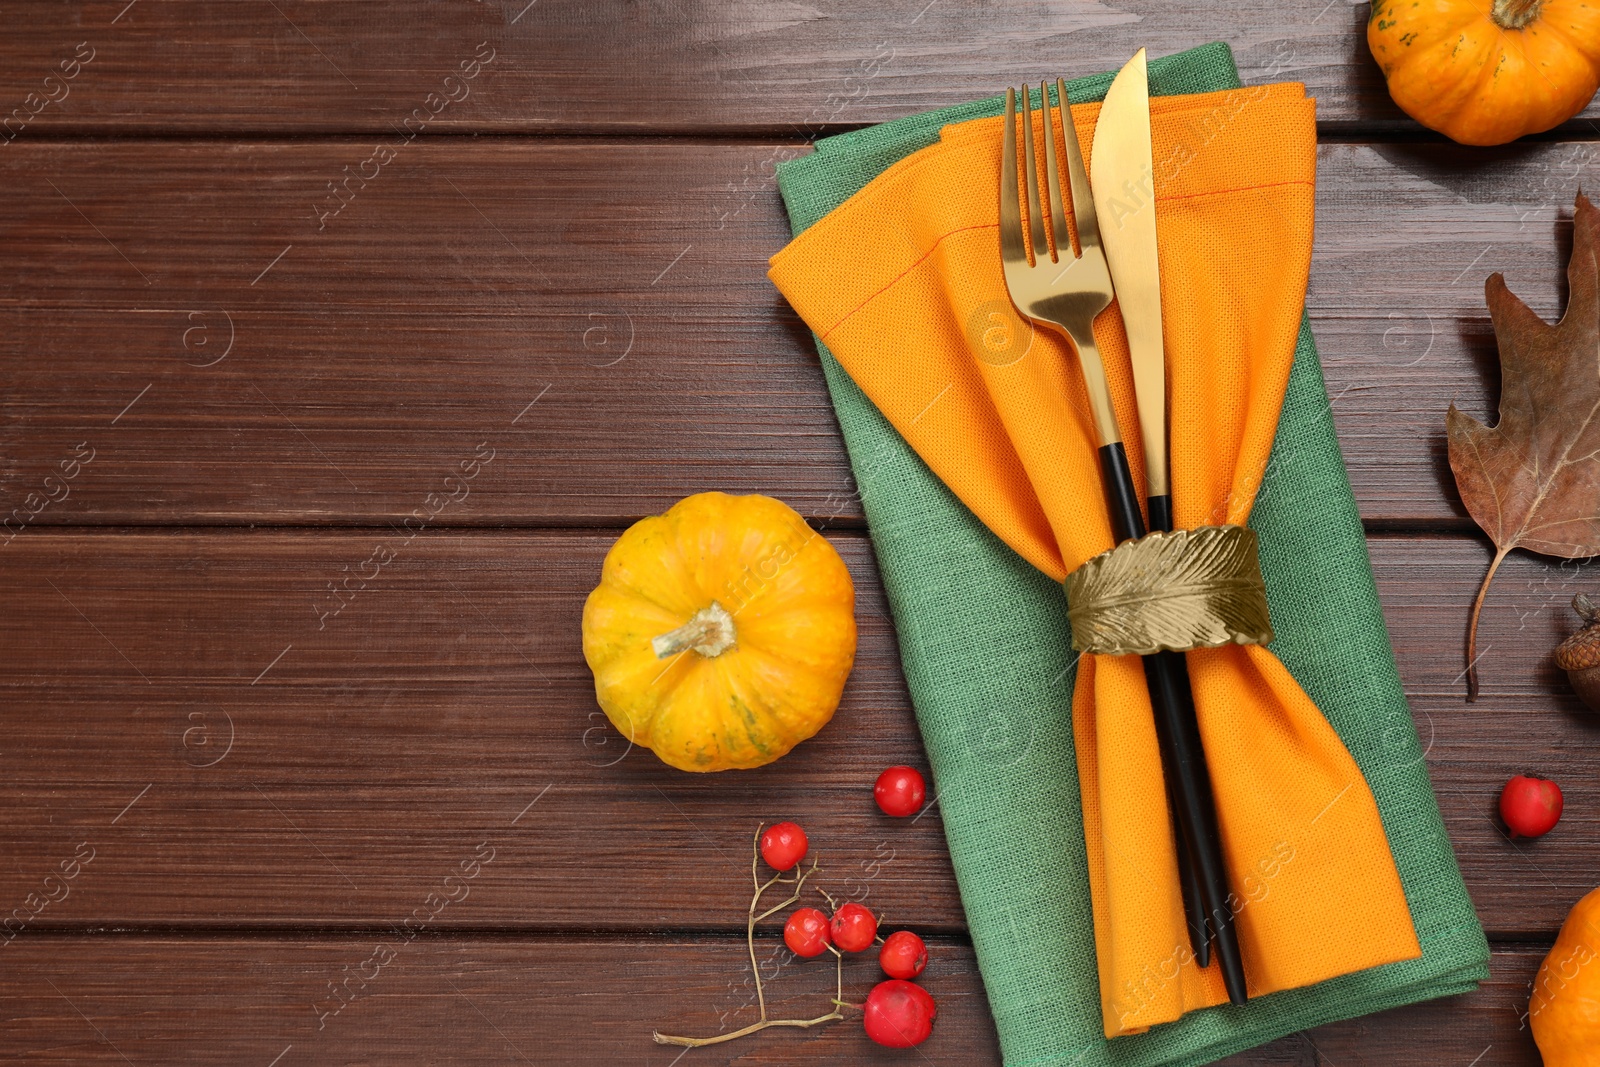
{"points": [[1564, 1011], [1485, 72], [721, 633]]}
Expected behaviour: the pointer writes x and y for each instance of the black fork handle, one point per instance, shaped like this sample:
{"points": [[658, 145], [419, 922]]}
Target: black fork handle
{"points": [[1183, 752], [1159, 508], [1125, 525]]}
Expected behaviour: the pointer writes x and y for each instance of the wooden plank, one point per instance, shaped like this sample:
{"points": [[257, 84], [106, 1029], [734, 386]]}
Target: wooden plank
{"points": [[1484, 1028], [563, 65], [232, 1000], [1527, 719], [1396, 297], [451, 694], [236, 1001], [270, 372], [575, 309], [447, 705]]}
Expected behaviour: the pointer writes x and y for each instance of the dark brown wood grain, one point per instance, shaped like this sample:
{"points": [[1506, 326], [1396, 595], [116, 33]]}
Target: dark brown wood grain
{"points": [[451, 694], [1527, 719], [1481, 1029], [230, 1001], [446, 706], [267, 371], [255, 65], [461, 1001], [233, 329]]}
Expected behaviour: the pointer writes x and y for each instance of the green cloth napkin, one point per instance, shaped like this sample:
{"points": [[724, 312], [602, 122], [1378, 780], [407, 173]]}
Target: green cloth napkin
{"points": [[988, 656]]}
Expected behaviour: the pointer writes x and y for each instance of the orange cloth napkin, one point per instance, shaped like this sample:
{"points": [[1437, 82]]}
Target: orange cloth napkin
{"points": [[903, 283]]}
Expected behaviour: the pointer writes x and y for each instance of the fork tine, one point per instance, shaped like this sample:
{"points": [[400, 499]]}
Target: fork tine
{"points": [[1058, 219], [1082, 199], [1011, 244], [1041, 250]]}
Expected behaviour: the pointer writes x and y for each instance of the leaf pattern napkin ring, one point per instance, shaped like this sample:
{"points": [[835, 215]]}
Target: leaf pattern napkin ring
{"points": [[1172, 591]]}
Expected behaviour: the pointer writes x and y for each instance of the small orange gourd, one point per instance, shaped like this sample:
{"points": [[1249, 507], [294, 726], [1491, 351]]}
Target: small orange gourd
{"points": [[1485, 72], [1565, 1010], [721, 633]]}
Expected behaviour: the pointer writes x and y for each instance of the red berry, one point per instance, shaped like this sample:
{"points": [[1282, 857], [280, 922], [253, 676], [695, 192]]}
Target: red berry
{"points": [[1530, 806], [899, 1014], [903, 955], [854, 927], [900, 791], [783, 846], [806, 932]]}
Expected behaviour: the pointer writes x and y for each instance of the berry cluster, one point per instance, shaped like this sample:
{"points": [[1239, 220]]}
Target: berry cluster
{"points": [[898, 1013]]}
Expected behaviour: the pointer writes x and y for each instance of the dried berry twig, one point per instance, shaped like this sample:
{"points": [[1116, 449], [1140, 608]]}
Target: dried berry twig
{"points": [[798, 881]]}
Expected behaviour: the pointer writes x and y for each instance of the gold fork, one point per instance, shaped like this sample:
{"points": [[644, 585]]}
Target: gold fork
{"points": [[1052, 286], [1063, 291]]}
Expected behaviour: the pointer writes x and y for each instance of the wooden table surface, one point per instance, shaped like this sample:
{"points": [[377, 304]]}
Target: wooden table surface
{"points": [[250, 327]]}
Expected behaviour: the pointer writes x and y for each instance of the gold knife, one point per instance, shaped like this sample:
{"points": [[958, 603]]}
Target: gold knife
{"points": [[1122, 179]]}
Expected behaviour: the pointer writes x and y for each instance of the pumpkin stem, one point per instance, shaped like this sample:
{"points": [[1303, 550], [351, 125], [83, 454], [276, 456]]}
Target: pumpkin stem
{"points": [[709, 632], [1515, 14]]}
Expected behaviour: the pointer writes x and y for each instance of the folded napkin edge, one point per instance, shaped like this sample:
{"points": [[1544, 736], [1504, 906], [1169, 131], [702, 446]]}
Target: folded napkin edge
{"points": [[974, 127]]}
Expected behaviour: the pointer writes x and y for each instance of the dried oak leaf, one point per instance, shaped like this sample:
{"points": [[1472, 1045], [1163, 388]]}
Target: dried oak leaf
{"points": [[1533, 481]]}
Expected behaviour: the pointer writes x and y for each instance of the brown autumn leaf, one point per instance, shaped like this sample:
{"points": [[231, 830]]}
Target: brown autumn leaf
{"points": [[1533, 481]]}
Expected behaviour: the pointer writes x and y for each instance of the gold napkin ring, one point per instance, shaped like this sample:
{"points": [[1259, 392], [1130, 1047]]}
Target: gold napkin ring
{"points": [[1173, 591]]}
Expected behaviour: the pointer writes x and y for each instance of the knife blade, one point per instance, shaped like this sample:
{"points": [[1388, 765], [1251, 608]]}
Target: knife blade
{"points": [[1122, 177]]}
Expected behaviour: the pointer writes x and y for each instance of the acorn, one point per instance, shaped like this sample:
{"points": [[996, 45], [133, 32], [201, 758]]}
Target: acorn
{"points": [[1579, 655]]}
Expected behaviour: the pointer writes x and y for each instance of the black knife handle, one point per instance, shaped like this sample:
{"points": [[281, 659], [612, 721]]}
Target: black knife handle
{"points": [[1160, 511]]}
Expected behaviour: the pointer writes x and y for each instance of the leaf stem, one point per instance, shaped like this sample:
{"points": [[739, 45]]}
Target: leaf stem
{"points": [[1472, 625]]}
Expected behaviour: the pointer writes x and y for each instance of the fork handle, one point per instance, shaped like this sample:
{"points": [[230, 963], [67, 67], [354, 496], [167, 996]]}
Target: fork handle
{"points": [[1159, 508], [1121, 497], [1168, 680], [1182, 750], [1105, 418]]}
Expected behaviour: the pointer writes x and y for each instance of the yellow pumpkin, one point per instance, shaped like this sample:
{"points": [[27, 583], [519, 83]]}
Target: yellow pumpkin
{"points": [[1485, 72], [721, 633], [1565, 1009]]}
